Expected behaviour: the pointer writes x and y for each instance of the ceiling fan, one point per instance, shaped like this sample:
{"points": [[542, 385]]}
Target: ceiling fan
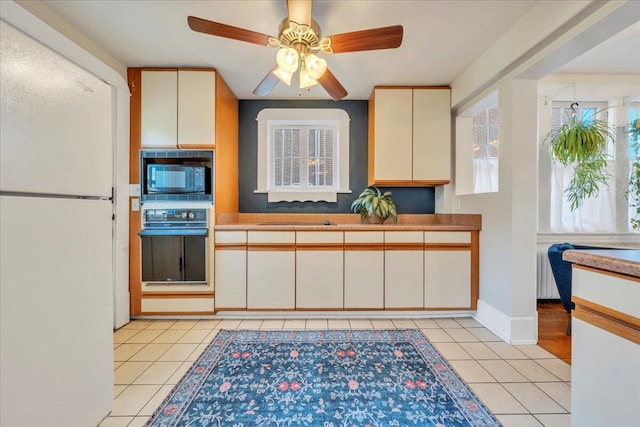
{"points": [[299, 39]]}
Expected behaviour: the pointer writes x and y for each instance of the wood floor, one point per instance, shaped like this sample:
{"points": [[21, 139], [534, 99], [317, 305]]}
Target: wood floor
{"points": [[552, 328]]}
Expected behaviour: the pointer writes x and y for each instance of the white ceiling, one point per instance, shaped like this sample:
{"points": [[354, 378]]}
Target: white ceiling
{"points": [[441, 39]]}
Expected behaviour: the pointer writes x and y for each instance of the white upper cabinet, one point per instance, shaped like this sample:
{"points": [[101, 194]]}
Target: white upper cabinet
{"points": [[410, 136], [159, 114], [431, 134], [393, 135], [178, 108], [196, 107]]}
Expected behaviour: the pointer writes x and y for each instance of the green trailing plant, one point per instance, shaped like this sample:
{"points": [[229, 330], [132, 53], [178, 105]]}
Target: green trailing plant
{"points": [[582, 145], [633, 194], [374, 204]]}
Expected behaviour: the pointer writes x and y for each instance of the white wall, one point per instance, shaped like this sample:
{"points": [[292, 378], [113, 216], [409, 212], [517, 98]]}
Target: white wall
{"points": [[69, 45], [549, 35]]}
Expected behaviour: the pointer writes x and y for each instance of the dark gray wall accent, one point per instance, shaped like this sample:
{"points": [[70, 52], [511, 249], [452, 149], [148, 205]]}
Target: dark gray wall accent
{"points": [[407, 200]]}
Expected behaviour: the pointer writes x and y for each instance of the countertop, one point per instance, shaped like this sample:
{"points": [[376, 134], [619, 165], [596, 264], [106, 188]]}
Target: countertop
{"points": [[346, 222], [623, 261]]}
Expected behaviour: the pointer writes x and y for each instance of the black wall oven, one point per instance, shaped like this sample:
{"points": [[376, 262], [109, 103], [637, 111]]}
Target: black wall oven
{"points": [[174, 246]]}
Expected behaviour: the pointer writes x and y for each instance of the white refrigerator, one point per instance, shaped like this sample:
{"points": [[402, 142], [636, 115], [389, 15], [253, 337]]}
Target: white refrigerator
{"points": [[56, 287]]}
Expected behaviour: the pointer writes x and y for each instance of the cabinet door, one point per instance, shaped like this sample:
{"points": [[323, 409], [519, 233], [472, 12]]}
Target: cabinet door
{"points": [[431, 134], [319, 279], [196, 107], [392, 135], [364, 270], [403, 270], [271, 270], [231, 279], [319, 269], [447, 279], [230, 270], [159, 114]]}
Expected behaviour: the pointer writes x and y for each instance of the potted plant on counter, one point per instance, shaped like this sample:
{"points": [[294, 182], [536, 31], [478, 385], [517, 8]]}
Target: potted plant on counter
{"points": [[582, 144], [375, 206]]}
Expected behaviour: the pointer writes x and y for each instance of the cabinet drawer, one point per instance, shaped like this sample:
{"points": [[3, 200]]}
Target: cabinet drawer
{"points": [[403, 237], [364, 237], [305, 237], [233, 237], [447, 237], [271, 237]]}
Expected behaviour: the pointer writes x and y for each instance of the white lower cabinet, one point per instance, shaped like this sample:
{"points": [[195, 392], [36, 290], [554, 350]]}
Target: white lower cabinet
{"points": [[351, 270], [271, 270], [231, 279], [319, 270], [230, 270], [447, 278], [403, 270], [364, 270]]}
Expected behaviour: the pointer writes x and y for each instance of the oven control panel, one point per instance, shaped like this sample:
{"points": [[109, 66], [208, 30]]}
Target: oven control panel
{"points": [[175, 218]]}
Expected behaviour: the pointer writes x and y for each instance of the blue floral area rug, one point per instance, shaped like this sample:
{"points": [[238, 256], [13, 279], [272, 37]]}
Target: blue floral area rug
{"points": [[321, 378]]}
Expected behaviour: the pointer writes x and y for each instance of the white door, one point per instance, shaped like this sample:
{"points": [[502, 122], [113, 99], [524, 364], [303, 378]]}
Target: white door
{"points": [[56, 311]]}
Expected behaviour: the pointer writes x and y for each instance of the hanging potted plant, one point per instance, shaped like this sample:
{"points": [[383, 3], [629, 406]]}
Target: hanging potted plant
{"points": [[375, 206], [633, 194], [582, 144]]}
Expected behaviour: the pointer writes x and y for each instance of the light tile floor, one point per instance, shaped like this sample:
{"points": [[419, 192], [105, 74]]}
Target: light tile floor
{"points": [[524, 386]]}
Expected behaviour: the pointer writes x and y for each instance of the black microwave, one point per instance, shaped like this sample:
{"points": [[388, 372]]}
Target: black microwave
{"points": [[176, 175], [177, 179]]}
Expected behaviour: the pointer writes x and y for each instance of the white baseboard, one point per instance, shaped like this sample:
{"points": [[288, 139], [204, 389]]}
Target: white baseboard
{"points": [[514, 330]]}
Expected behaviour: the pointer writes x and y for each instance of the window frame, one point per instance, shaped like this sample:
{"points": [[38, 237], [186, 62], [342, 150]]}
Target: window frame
{"points": [[271, 118]]}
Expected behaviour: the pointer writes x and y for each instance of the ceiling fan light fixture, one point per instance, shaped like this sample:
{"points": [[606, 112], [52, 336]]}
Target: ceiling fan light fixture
{"points": [[315, 66], [287, 59], [284, 76], [305, 80]]}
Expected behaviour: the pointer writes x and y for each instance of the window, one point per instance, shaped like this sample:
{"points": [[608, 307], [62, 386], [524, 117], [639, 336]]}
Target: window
{"points": [[599, 214], [477, 147], [303, 154], [485, 150]]}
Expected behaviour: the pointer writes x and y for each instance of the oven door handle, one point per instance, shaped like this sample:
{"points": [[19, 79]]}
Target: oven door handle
{"points": [[174, 232]]}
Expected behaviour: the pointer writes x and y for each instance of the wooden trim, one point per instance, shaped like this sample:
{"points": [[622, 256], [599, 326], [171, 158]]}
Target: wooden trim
{"points": [[134, 77], [226, 170], [195, 69], [197, 146], [319, 247], [607, 273], [371, 142], [178, 313], [404, 246], [475, 269], [409, 183], [447, 247], [231, 308], [364, 246], [271, 309], [281, 247], [158, 69], [174, 294], [318, 309], [616, 322], [230, 246]]}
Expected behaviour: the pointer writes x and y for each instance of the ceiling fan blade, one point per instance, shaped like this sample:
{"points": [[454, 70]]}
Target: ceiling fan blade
{"points": [[267, 84], [299, 11], [222, 30], [331, 84], [375, 38]]}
